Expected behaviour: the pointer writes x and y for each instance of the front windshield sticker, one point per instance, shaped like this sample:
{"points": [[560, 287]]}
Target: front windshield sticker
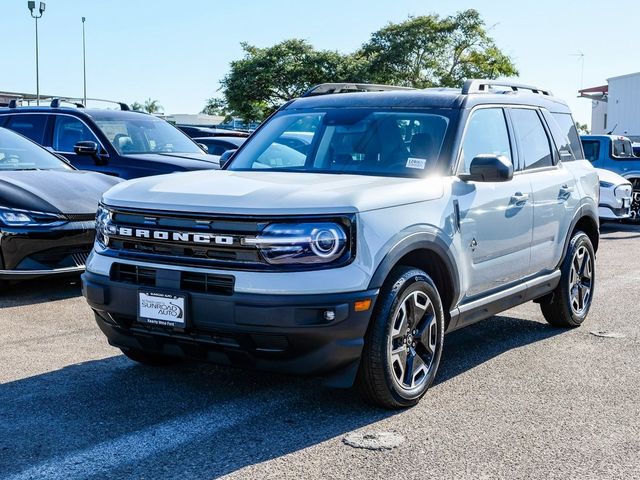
{"points": [[419, 163]]}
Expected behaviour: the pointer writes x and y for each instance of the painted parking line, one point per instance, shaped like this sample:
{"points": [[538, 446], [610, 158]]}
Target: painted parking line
{"points": [[134, 447]]}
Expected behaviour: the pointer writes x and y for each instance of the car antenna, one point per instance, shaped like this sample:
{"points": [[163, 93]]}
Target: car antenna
{"points": [[614, 127]]}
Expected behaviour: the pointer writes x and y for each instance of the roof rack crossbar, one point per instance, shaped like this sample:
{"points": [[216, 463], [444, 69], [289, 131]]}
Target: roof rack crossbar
{"points": [[55, 102], [484, 86], [328, 88]]}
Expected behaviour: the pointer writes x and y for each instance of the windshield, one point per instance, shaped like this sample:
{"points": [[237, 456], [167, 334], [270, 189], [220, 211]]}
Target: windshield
{"points": [[144, 134], [18, 153], [356, 141]]}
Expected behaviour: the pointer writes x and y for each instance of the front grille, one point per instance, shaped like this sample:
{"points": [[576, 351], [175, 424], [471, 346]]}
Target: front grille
{"points": [[223, 248], [59, 257], [80, 217], [196, 282]]}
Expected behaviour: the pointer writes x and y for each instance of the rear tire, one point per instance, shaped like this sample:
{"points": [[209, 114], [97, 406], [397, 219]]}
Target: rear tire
{"points": [[570, 302], [403, 344], [150, 359]]}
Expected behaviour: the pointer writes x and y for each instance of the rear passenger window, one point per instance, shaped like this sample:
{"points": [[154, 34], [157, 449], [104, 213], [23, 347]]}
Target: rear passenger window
{"points": [[486, 134], [560, 139], [591, 150], [31, 126], [68, 131], [568, 126], [532, 138]]}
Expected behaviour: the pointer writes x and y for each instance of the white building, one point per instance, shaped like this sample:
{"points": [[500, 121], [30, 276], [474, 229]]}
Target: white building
{"points": [[616, 106]]}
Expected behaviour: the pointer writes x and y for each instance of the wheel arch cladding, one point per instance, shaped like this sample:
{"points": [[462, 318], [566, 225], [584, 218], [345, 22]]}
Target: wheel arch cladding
{"points": [[588, 225], [427, 252]]}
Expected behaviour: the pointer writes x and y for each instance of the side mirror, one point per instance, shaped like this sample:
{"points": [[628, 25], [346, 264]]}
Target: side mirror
{"points": [[226, 156], [86, 148], [489, 168], [91, 148], [204, 147]]}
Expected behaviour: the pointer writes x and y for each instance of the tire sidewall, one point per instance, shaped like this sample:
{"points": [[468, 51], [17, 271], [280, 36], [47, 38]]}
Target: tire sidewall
{"points": [[579, 239], [407, 283]]}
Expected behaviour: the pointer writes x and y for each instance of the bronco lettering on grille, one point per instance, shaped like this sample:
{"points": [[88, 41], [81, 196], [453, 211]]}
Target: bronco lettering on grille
{"points": [[186, 237]]}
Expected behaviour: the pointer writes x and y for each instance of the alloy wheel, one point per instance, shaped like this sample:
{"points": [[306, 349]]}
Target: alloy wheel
{"points": [[413, 341], [581, 280]]}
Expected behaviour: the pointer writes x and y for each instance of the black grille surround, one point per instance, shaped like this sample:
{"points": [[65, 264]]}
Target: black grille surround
{"points": [[235, 256], [80, 217]]}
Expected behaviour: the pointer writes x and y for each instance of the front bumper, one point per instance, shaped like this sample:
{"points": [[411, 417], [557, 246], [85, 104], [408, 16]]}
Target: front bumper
{"points": [[607, 212], [40, 251], [280, 333]]}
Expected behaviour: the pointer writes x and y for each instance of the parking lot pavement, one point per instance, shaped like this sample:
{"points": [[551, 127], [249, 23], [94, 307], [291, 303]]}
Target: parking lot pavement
{"points": [[514, 398]]}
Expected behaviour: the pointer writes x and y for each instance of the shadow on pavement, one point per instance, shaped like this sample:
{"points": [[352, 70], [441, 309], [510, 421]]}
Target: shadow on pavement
{"points": [[112, 418], [42, 290]]}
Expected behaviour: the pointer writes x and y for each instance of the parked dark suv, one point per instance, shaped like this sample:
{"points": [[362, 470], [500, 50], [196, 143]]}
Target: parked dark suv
{"points": [[122, 143]]}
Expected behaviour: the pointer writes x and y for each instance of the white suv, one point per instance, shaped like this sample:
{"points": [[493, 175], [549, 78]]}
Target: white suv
{"points": [[400, 215]]}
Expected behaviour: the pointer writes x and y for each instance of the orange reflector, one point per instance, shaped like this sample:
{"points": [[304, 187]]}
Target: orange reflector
{"points": [[362, 305]]}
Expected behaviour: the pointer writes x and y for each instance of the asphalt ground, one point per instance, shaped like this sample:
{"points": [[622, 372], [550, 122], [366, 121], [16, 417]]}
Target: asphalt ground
{"points": [[514, 398]]}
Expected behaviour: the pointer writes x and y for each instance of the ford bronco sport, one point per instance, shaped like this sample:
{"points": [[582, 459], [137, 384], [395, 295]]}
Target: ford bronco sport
{"points": [[410, 213]]}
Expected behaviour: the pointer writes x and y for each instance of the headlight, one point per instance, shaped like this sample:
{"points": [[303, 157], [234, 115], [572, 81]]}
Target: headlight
{"points": [[605, 184], [104, 227], [302, 243], [23, 218]]}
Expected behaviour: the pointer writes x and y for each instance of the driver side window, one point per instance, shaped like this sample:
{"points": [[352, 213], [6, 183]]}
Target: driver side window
{"points": [[68, 131], [486, 134]]}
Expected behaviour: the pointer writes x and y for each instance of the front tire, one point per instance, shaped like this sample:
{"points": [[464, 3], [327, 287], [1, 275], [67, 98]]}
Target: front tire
{"points": [[403, 344], [570, 302]]}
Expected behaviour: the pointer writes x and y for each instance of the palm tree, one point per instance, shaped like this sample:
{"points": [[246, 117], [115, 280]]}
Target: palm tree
{"points": [[137, 106], [152, 106]]}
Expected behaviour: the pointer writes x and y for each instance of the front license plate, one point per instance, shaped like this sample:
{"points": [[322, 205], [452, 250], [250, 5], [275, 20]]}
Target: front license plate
{"points": [[160, 308]]}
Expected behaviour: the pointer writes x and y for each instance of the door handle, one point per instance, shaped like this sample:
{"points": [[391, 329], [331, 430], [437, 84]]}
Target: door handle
{"points": [[566, 191], [519, 198]]}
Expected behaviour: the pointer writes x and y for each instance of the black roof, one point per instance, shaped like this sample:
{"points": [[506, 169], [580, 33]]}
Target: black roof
{"points": [[430, 98], [80, 112]]}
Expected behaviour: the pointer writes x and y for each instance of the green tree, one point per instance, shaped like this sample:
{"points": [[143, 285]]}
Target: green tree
{"points": [[152, 106], [429, 51], [582, 128], [268, 77], [137, 107]]}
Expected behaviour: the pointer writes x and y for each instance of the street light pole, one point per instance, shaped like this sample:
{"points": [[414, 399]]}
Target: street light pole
{"points": [[32, 6], [84, 65]]}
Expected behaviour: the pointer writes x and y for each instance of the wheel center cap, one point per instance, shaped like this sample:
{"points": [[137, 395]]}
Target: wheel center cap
{"points": [[409, 338]]}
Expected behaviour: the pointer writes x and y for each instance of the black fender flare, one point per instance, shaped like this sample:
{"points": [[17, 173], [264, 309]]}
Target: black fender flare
{"points": [[432, 239], [584, 211]]}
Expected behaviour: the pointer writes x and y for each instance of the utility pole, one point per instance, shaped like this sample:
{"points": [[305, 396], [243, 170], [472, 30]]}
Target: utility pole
{"points": [[84, 65], [32, 6]]}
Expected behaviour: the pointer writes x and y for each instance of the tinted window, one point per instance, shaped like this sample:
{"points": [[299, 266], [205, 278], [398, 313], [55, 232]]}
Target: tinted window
{"points": [[568, 126], [486, 134], [591, 149], [31, 126], [358, 141], [622, 149], [68, 131], [532, 138], [560, 139]]}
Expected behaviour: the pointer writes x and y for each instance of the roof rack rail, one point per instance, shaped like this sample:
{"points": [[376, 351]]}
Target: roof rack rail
{"points": [[13, 103], [484, 86], [55, 103], [328, 88]]}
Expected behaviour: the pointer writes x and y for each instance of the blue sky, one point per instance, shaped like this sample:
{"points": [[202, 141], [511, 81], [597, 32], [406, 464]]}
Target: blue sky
{"points": [[177, 51]]}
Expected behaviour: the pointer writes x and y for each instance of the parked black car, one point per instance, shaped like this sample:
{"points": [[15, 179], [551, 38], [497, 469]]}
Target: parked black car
{"points": [[47, 210], [122, 143], [219, 145]]}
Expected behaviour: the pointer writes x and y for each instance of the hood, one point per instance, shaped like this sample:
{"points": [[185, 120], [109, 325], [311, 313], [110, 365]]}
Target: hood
{"points": [[190, 161], [611, 177], [54, 191], [273, 193]]}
